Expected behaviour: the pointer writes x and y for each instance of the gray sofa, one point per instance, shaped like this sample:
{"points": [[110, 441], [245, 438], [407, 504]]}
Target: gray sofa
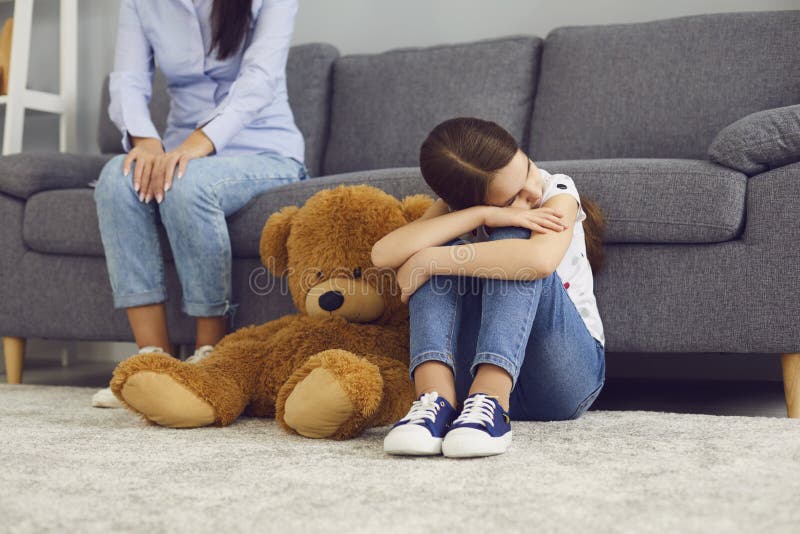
{"points": [[700, 257]]}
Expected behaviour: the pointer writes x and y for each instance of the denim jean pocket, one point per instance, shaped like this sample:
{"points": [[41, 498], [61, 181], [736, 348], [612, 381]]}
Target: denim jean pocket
{"points": [[583, 406]]}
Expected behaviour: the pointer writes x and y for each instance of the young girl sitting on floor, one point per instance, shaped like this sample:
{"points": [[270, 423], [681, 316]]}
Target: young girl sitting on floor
{"points": [[500, 291]]}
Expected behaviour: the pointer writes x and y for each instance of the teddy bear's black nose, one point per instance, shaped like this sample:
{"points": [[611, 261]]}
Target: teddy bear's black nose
{"points": [[331, 300]]}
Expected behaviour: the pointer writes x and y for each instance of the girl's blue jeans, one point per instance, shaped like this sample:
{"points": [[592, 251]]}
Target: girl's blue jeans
{"points": [[530, 328], [193, 213]]}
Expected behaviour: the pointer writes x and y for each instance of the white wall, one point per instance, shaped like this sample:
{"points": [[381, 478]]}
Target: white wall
{"points": [[353, 26], [375, 25]]}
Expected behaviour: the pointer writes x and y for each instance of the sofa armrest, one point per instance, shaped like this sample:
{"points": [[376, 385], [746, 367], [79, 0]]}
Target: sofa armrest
{"points": [[760, 141], [22, 175]]}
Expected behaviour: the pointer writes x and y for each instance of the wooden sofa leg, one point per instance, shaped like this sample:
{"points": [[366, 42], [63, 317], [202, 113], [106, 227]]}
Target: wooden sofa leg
{"points": [[14, 350], [790, 363]]}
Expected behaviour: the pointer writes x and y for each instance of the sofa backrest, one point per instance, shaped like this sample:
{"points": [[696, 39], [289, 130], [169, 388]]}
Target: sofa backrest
{"points": [[663, 88], [385, 104], [308, 81]]}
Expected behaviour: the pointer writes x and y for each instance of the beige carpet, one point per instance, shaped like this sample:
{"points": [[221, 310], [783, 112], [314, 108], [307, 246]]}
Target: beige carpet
{"points": [[68, 467]]}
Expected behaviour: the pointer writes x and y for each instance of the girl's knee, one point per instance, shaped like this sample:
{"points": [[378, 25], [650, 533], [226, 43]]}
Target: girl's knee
{"points": [[509, 232]]}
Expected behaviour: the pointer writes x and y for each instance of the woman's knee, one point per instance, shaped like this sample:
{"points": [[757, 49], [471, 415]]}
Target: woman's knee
{"points": [[185, 195], [111, 182]]}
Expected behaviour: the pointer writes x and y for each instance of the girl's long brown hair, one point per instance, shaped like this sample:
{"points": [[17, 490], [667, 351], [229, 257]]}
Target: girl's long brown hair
{"points": [[459, 159]]}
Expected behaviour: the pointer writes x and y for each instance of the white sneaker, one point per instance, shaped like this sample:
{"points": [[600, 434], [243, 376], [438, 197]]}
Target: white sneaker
{"points": [[482, 429], [105, 397], [200, 354], [420, 432]]}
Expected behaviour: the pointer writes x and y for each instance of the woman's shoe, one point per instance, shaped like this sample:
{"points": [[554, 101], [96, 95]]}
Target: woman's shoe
{"points": [[200, 354], [105, 397]]}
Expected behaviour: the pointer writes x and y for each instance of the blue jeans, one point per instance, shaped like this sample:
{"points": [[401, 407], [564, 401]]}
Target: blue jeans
{"points": [[193, 213], [529, 328]]}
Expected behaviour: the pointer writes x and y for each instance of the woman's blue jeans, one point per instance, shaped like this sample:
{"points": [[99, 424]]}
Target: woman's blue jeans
{"points": [[193, 213], [530, 328]]}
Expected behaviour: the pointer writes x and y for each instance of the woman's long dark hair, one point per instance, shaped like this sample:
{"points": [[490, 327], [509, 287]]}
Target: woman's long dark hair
{"points": [[461, 156], [230, 22]]}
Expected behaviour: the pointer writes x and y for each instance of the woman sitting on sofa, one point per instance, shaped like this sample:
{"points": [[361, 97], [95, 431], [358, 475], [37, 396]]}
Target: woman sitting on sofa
{"points": [[230, 137]]}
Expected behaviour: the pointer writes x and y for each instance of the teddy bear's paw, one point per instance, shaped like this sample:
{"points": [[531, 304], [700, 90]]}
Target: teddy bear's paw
{"points": [[333, 395], [147, 384], [164, 401]]}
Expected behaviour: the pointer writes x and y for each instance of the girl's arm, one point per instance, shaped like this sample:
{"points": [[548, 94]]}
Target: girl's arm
{"points": [[507, 259], [436, 226]]}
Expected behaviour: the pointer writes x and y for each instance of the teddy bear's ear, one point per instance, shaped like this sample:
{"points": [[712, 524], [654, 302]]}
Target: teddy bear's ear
{"points": [[415, 205], [272, 248]]}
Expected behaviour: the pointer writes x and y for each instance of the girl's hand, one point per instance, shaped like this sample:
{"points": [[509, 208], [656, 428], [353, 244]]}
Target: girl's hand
{"points": [[542, 220], [145, 152], [197, 145], [412, 274]]}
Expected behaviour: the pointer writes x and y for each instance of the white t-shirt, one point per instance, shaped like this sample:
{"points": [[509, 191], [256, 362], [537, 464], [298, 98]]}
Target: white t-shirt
{"points": [[574, 270]]}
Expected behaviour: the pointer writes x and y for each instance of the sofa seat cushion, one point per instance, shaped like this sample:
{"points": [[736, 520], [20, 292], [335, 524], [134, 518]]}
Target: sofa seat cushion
{"points": [[661, 200], [644, 201], [65, 221]]}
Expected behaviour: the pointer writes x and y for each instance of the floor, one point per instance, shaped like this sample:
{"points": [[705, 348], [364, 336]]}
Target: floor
{"points": [[68, 467], [699, 396]]}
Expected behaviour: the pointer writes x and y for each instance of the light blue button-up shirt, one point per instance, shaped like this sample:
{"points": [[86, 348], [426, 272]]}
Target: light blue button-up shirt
{"points": [[240, 103]]}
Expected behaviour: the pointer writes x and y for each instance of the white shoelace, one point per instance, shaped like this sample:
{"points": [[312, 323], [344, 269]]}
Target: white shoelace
{"points": [[424, 408], [478, 409]]}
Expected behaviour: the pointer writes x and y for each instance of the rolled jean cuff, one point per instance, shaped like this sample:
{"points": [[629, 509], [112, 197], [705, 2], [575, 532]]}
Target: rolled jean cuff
{"points": [[430, 356], [226, 308], [498, 360], [140, 299]]}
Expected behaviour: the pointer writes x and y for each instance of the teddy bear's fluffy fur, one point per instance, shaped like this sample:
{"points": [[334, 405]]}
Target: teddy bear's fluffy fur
{"points": [[331, 370]]}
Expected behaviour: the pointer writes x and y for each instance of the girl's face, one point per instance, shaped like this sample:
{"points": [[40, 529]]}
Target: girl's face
{"points": [[518, 184]]}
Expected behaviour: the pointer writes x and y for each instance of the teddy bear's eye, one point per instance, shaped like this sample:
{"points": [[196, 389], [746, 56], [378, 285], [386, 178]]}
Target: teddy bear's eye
{"points": [[357, 272], [319, 275]]}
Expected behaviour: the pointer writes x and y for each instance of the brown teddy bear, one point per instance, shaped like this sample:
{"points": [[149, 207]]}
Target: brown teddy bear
{"points": [[333, 369]]}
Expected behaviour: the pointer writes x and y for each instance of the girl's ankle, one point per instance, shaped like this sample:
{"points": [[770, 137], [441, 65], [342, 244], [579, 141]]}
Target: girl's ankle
{"points": [[449, 396]]}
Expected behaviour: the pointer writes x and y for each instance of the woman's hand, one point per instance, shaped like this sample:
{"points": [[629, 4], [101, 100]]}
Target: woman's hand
{"points": [[542, 220], [412, 274], [159, 181], [145, 152]]}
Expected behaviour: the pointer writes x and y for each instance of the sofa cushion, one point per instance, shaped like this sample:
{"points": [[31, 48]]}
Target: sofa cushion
{"points": [[761, 141], [65, 222], [308, 82], [385, 104], [109, 139], [644, 201], [661, 200], [661, 89], [309, 71], [26, 173]]}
